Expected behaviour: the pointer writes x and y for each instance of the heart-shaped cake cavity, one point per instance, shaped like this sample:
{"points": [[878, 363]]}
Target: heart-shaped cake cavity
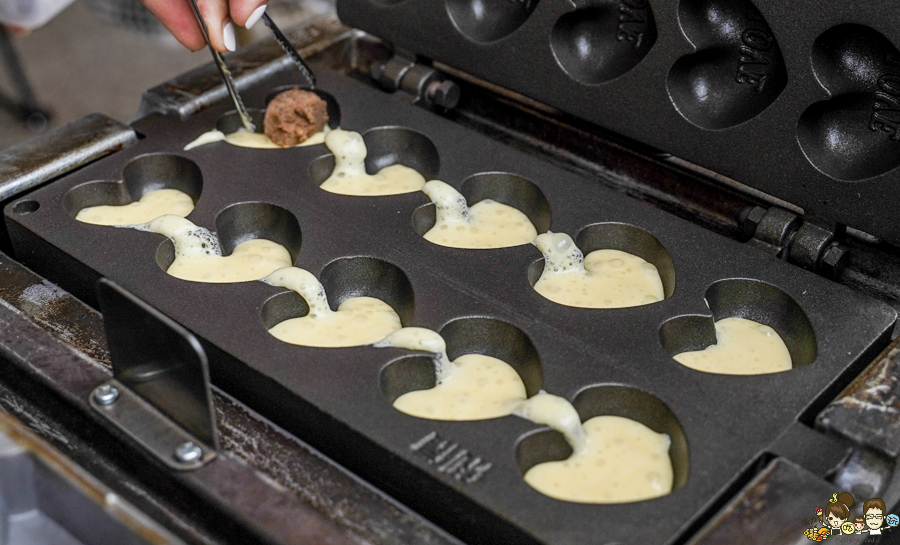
{"points": [[602, 41], [470, 388], [142, 175], [856, 134], [737, 71], [750, 316], [489, 20], [627, 467], [273, 227]]}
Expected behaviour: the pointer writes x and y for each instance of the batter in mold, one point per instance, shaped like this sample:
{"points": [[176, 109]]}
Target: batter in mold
{"points": [[349, 176], [471, 387], [487, 224], [151, 206], [246, 139], [603, 279], [614, 459], [356, 322], [743, 347], [198, 257], [295, 117]]}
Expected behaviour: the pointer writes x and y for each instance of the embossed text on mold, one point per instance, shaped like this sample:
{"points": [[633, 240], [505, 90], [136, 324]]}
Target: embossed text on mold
{"points": [[886, 108], [632, 21], [753, 62], [449, 458]]}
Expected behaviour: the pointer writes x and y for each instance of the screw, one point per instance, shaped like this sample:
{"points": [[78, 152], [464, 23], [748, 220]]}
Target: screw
{"points": [[749, 219], [188, 452], [443, 93], [106, 394], [834, 260]]}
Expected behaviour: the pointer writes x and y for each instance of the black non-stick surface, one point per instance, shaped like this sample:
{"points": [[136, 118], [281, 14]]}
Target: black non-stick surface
{"points": [[333, 398], [798, 99]]}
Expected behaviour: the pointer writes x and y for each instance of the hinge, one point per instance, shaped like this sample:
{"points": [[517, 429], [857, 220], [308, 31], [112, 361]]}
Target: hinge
{"points": [[786, 234], [426, 84], [159, 395]]}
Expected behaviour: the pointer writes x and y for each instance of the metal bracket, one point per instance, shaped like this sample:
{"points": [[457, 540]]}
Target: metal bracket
{"points": [[423, 82], [789, 237], [160, 394]]}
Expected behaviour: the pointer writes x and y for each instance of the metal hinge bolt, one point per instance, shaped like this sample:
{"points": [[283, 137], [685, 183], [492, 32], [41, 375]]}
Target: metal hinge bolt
{"points": [[188, 452], [106, 394]]}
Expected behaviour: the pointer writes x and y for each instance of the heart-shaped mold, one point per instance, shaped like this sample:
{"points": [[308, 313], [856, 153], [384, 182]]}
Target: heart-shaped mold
{"points": [[505, 188], [548, 445], [751, 300], [624, 237], [737, 71], [601, 42], [246, 221], [856, 134], [345, 278], [486, 336], [230, 122], [388, 146], [489, 20], [140, 176]]}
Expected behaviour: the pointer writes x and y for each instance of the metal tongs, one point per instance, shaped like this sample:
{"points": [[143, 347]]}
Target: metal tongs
{"points": [[226, 74]]}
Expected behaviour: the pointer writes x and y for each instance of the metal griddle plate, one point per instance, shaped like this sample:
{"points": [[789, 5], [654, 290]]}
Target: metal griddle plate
{"points": [[798, 99], [337, 399]]}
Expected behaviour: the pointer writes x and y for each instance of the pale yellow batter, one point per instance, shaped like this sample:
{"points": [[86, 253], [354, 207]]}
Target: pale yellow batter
{"points": [[151, 206], [487, 224], [246, 139], [350, 177], [471, 387], [357, 321], [198, 257], [743, 347], [480, 387], [605, 279], [622, 461]]}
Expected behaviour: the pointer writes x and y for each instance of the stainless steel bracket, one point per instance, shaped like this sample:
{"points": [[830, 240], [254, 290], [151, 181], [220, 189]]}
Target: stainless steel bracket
{"points": [[160, 394]]}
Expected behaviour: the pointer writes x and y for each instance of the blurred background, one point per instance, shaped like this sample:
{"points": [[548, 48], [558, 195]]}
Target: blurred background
{"points": [[99, 56]]}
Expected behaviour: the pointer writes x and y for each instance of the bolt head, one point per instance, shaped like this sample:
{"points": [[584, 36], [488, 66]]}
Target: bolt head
{"points": [[188, 452], [106, 394], [444, 94], [834, 260], [749, 219]]}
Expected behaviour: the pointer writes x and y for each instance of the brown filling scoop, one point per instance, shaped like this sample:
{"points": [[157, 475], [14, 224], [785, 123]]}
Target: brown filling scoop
{"points": [[293, 116]]}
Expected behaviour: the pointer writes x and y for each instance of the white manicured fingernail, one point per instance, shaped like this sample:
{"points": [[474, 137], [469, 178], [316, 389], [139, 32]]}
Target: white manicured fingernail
{"points": [[228, 36], [255, 16]]}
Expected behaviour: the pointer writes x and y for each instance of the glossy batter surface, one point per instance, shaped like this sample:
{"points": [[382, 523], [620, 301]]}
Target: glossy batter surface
{"points": [[487, 224], [357, 321], [198, 257], [622, 461], [151, 206], [246, 139], [479, 387], [349, 176], [605, 279], [743, 347]]}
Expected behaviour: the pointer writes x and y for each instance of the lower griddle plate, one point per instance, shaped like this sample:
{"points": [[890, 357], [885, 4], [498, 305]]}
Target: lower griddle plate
{"points": [[465, 475]]}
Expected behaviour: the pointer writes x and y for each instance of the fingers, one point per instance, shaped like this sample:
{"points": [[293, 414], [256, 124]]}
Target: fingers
{"points": [[218, 24], [247, 12], [178, 17]]}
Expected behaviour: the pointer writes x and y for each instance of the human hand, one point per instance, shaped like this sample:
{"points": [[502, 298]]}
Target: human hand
{"points": [[219, 15]]}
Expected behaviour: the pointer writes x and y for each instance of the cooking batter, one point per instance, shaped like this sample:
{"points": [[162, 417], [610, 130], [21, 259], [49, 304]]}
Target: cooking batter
{"points": [[614, 459], [151, 206], [350, 177], [743, 347], [471, 387], [198, 257], [605, 279], [357, 321], [246, 139], [487, 224]]}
